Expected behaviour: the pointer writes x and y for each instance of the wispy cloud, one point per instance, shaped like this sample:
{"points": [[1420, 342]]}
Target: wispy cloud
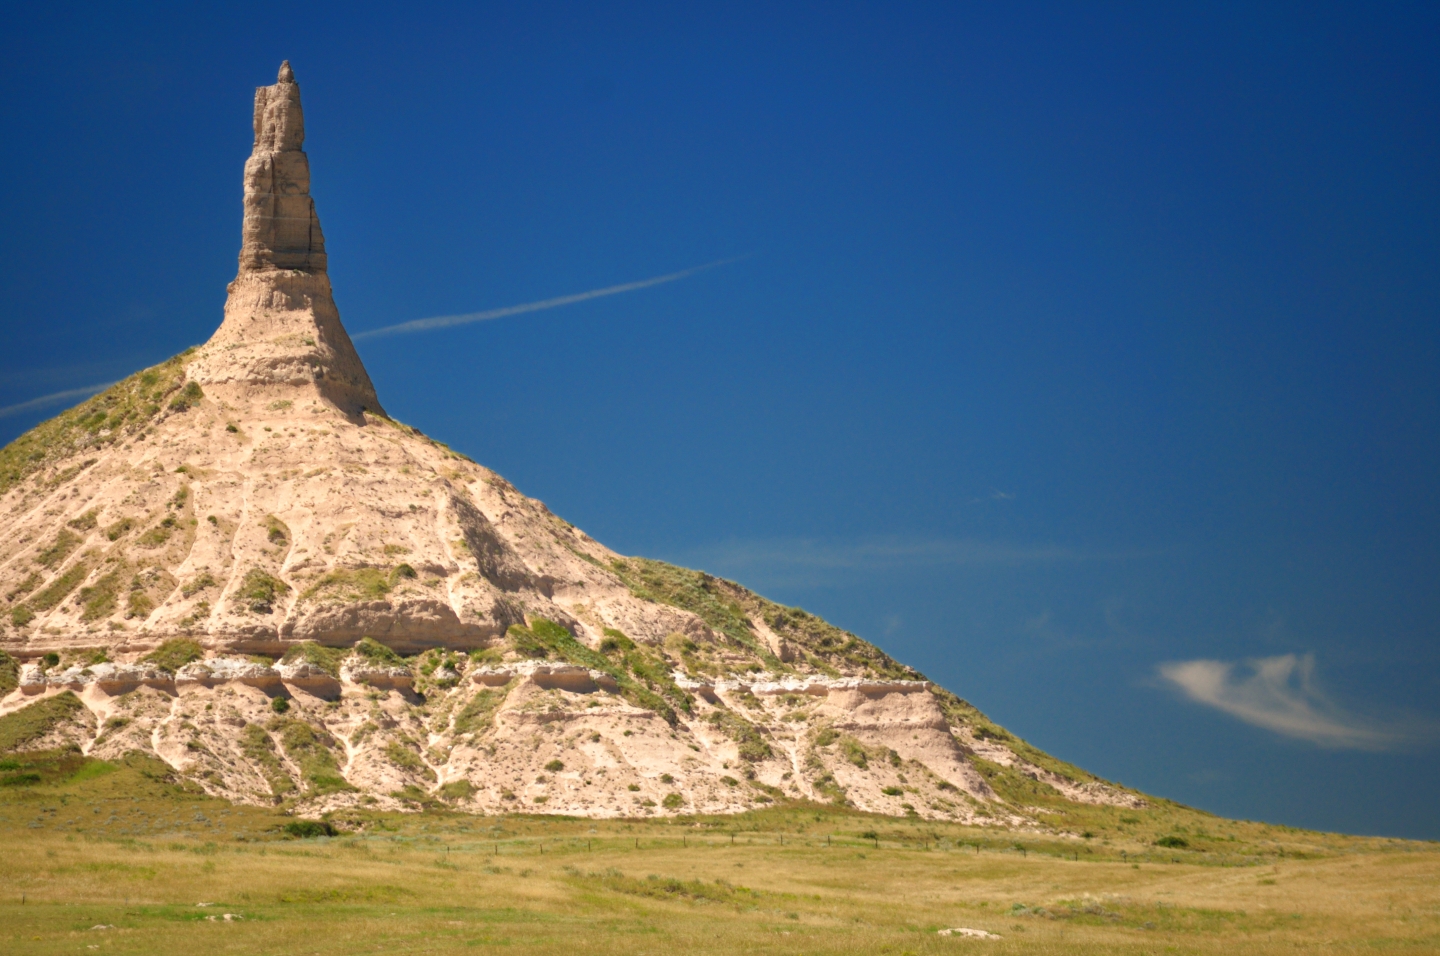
{"points": [[55, 398], [445, 321], [1280, 694], [874, 554]]}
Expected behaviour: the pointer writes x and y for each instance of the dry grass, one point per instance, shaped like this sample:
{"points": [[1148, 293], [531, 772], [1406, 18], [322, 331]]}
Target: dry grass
{"points": [[128, 847]]}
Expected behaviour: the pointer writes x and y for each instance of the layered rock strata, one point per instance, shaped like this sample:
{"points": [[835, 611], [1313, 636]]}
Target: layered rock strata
{"points": [[235, 560]]}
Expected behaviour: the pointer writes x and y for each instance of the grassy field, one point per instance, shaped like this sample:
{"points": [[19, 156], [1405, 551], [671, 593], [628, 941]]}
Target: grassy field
{"points": [[164, 869]]}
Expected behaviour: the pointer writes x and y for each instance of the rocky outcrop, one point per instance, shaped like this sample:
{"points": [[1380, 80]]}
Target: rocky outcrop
{"points": [[433, 633], [282, 331]]}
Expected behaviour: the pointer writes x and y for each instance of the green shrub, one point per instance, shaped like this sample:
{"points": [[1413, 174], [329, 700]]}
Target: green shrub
{"points": [[311, 750], [139, 604], [404, 754], [673, 801], [258, 591], [854, 752], [116, 529], [614, 641], [30, 583], [1173, 842], [157, 536], [308, 829], [555, 766], [20, 615], [279, 704], [372, 650], [189, 397], [175, 654], [198, 583], [891, 791]]}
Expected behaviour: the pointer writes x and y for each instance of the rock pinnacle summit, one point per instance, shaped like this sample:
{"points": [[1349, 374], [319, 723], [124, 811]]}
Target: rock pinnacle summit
{"points": [[282, 329]]}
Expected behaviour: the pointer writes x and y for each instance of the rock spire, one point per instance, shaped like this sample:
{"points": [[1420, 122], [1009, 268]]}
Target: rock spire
{"points": [[282, 330]]}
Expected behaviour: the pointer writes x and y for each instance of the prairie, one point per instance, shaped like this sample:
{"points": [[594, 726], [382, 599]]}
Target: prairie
{"points": [[124, 858]]}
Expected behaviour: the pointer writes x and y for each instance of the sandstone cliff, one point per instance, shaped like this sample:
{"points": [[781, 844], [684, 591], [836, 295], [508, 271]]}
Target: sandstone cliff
{"points": [[235, 560]]}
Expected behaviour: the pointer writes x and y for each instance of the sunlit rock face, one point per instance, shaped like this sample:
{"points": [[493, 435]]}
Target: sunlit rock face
{"points": [[236, 561], [282, 331]]}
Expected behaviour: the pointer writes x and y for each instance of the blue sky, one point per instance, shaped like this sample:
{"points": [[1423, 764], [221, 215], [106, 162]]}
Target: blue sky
{"points": [[1083, 356]]}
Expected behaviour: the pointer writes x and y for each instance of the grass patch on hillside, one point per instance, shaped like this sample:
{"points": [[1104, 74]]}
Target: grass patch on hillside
{"points": [[376, 653], [57, 589], [751, 743], [58, 550], [326, 658], [478, 714], [258, 746], [175, 654], [311, 749], [259, 590], [349, 585], [705, 595], [121, 411], [642, 673], [100, 600], [34, 721], [9, 673]]}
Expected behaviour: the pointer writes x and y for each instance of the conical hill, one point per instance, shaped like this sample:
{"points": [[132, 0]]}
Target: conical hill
{"points": [[237, 562]]}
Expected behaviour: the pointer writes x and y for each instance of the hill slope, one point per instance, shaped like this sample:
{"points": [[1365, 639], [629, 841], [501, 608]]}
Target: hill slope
{"points": [[235, 561]]}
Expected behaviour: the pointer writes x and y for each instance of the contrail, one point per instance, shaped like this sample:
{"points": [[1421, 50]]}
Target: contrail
{"points": [[445, 321], [55, 399]]}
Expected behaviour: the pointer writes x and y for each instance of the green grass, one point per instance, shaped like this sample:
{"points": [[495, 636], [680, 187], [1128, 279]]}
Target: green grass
{"points": [[326, 658], [311, 749], [478, 714], [751, 743], [259, 590], [101, 598], [175, 654], [57, 589], [9, 673], [116, 414], [355, 584], [127, 845], [377, 653], [643, 675], [34, 721], [58, 550], [257, 745]]}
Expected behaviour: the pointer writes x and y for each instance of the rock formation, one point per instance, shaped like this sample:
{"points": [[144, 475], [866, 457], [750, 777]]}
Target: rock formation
{"points": [[281, 327], [237, 561]]}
